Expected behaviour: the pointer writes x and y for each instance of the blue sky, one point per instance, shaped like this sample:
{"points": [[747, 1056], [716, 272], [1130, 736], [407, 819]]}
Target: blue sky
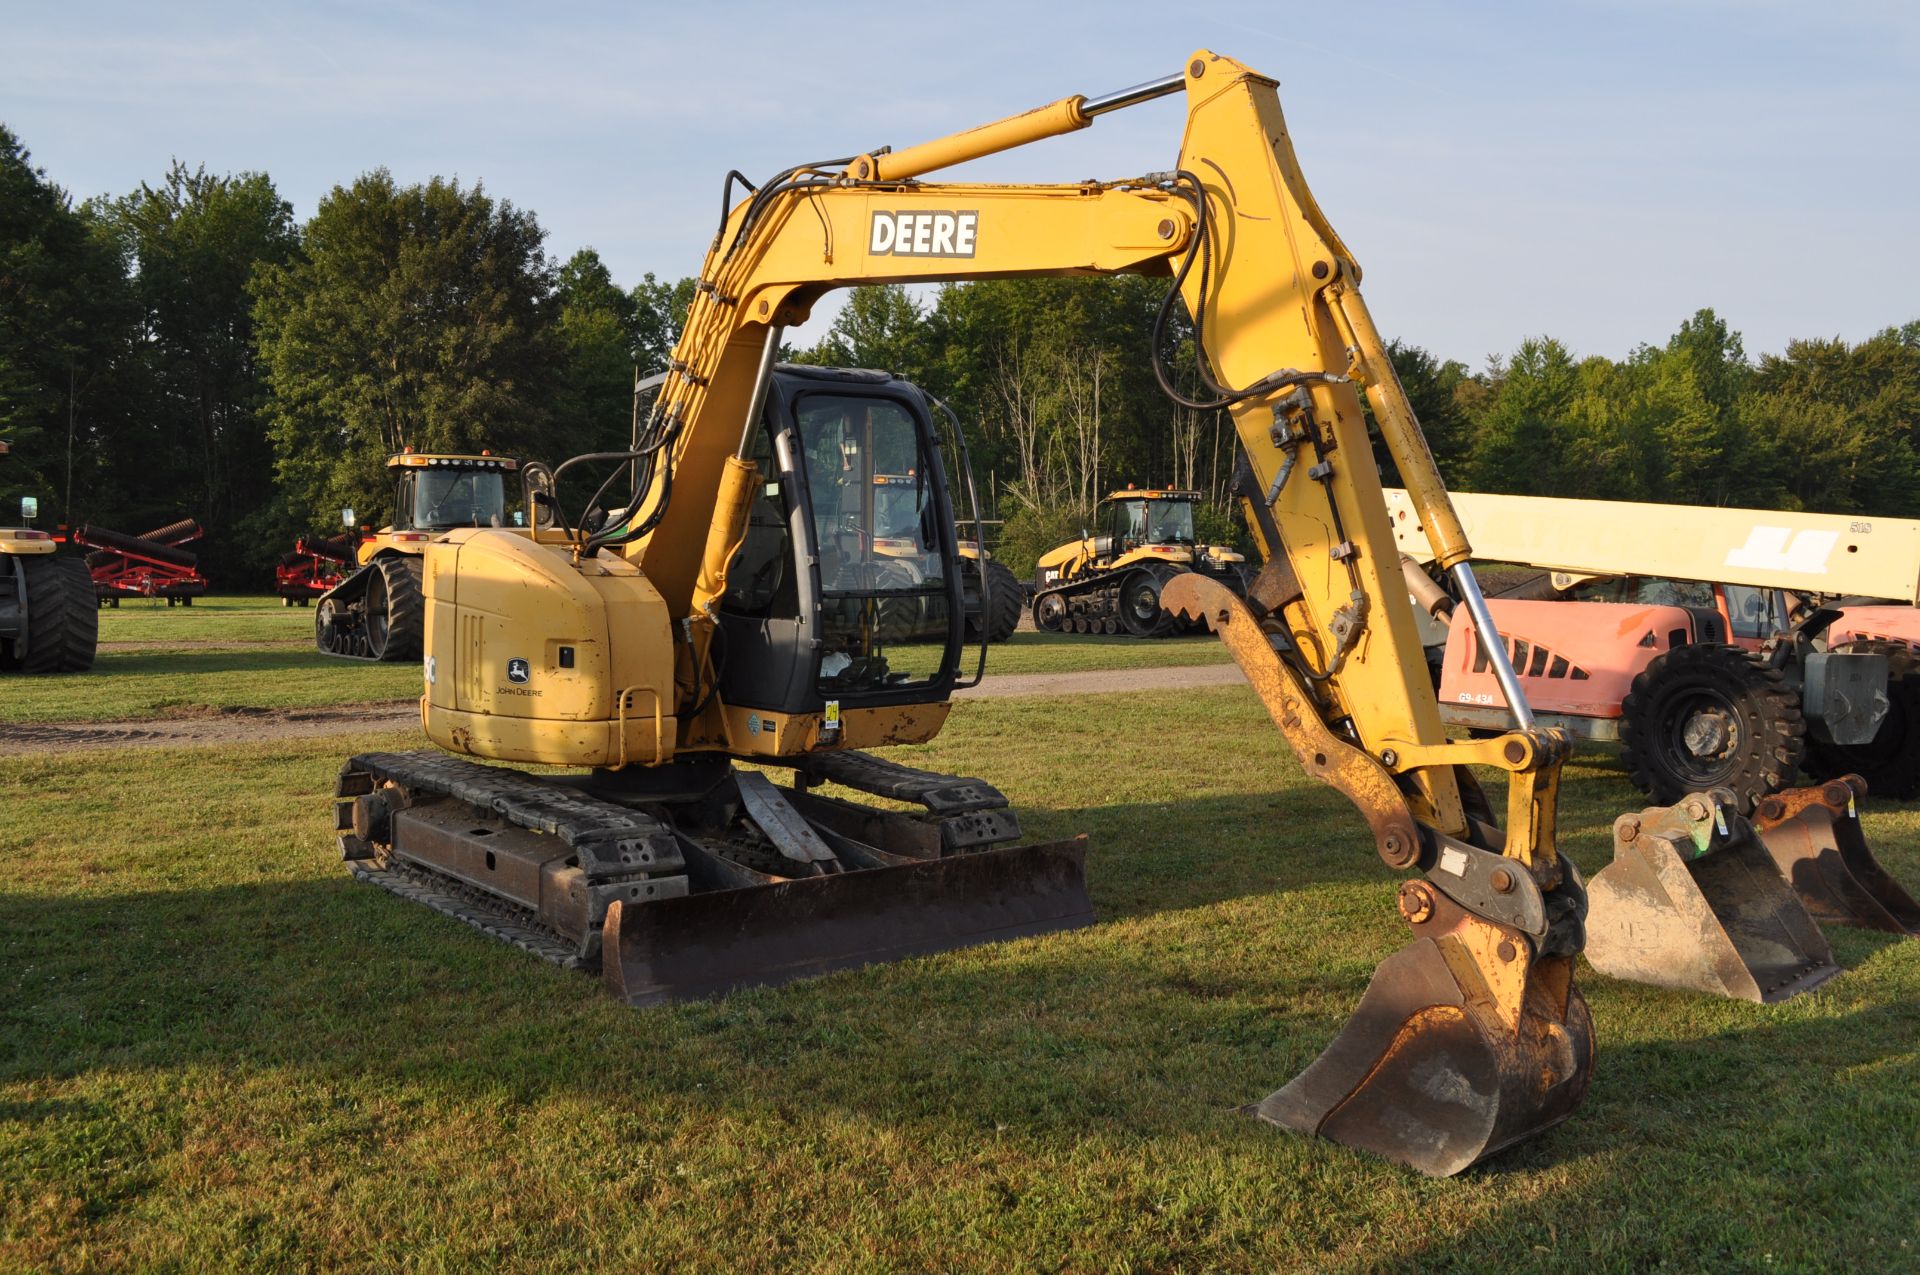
{"points": [[1594, 171]]}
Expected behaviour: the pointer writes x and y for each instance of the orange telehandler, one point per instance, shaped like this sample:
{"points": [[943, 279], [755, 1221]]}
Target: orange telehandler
{"points": [[726, 609]]}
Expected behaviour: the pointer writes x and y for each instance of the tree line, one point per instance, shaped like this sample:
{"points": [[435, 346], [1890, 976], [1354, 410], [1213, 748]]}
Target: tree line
{"points": [[190, 348]]}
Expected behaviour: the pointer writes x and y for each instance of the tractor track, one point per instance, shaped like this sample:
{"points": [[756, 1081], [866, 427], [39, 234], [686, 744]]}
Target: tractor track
{"points": [[230, 726]]}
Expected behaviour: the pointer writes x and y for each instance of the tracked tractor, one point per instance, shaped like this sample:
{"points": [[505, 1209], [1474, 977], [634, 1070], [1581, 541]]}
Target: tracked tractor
{"points": [[719, 620], [994, 598], [1112, 581], [376, 612], [49, 620]]}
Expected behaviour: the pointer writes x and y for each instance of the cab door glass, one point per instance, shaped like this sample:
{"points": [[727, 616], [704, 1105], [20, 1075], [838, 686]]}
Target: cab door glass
{"points": [[885, 613], [1754, 613], [761, 581]]}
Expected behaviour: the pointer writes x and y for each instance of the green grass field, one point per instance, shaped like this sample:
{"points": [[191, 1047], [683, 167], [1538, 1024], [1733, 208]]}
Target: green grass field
{"points": [[212, 619], [216, 1051], [162, 679]]}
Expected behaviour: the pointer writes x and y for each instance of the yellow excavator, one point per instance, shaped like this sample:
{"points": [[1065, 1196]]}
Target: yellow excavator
{"points": [[726, 609]]}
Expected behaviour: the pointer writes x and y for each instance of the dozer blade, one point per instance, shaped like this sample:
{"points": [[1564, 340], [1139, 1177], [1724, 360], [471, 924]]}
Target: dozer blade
{"points": [[765, 934], [1692, 900], [1464, 1043], [1815, 839]]}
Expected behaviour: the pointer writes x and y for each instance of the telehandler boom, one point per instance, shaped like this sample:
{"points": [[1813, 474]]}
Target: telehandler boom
{"points": [[725, 611]]}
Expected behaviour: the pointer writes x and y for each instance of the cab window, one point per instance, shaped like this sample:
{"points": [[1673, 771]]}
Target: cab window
{"points": [[885, 603]]}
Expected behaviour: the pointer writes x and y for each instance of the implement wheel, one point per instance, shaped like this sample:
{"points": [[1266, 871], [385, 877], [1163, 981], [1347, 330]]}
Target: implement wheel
{"points": [[1891, 762], [1711, 716], [396, 610]]}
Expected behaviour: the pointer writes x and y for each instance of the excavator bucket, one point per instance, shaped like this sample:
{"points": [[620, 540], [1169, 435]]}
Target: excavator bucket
{"points": [[1815, 839], [1693, 900], [1465, 1042]]}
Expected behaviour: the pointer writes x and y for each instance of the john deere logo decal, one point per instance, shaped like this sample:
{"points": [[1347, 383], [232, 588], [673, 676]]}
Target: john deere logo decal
{"points": [[517, 671], [923, 234]]}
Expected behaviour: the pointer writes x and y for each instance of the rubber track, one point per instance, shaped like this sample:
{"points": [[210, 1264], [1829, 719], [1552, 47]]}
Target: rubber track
{"points": [[406, 608], [490, 915]]}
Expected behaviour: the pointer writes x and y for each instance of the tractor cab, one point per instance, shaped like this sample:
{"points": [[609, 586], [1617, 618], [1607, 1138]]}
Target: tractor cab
{"points": [[434, 492], [1136, 519]]}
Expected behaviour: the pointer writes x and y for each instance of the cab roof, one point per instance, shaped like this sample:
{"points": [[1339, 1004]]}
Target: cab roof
{"points": [[449, 460], [1152, 493]]}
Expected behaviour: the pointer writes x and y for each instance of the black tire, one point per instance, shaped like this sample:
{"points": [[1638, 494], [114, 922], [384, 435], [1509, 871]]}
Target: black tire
{"points": [[63, 616], [1004, 601], [1711, 716], [1891, 762], [396, 610]]}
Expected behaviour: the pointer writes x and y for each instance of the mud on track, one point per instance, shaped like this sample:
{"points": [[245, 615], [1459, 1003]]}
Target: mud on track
{"points": [[229, 726]]}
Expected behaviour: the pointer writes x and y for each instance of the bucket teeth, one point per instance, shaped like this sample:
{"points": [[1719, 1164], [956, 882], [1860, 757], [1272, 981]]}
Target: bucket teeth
{"points": [[1692, 900], [1815, 839], [1464, 1043]]}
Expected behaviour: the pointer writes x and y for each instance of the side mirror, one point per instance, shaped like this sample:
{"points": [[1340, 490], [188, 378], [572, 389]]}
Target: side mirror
{"points": [[346, 517], [29, 508]]}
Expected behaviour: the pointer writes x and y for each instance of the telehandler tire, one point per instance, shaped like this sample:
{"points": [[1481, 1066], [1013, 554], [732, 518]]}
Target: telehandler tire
{"points": [[1890, 763], [1711, 716]]}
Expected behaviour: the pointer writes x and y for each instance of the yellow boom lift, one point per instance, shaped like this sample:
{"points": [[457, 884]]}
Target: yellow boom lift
{"points": [[728, 614]]}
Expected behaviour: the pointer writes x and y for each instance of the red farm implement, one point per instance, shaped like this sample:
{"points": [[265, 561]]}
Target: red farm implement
{"points": [[149, 566], [315, 565]]}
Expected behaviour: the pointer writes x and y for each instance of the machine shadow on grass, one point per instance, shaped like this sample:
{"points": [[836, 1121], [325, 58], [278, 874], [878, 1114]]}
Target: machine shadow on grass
{"points": [[248, 659], [1157, 1022]]}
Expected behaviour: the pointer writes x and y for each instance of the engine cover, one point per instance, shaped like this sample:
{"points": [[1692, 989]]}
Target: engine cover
{"points": [[531, 657]]}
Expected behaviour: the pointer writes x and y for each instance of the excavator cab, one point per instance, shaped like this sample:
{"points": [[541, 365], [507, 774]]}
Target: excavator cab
{"points": [[847, 586]]}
